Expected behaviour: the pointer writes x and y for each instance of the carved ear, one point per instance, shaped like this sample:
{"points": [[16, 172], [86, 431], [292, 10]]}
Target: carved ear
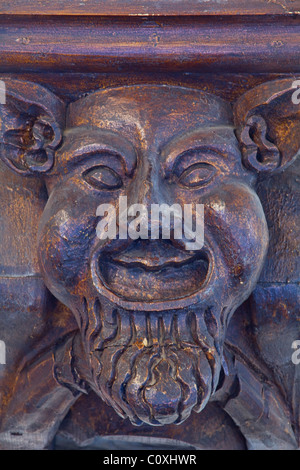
{"points": [[267, 124], [31, 125]]}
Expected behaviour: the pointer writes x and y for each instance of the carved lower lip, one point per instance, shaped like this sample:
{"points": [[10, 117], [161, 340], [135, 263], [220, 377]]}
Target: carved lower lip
{"points": [[135, 280]]}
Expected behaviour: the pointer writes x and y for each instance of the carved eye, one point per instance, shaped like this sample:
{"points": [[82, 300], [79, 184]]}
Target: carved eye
{"points": [[197, 175], [102, 177]]}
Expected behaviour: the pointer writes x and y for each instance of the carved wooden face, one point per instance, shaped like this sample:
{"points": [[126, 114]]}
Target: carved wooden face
{"points": [[153, 315]]}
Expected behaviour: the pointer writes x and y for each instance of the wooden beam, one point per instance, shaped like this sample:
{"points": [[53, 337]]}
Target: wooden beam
{"points": [[150, 7], [92, 44]]}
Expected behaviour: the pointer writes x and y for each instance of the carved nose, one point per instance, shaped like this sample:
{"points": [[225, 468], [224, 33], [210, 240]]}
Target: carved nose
{"points": [[147, 188], [145, 192]]}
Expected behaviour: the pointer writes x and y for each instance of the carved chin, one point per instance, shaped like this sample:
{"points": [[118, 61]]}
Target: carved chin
{"points": [[152, 369], [158, 386]]}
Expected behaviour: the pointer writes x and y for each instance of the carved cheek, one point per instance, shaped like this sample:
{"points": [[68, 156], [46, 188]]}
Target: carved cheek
{"points": [[65, 240], [236, 225]]}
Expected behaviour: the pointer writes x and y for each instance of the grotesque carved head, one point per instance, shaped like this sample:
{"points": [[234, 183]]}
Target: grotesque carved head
{"points": [[152, 315]]}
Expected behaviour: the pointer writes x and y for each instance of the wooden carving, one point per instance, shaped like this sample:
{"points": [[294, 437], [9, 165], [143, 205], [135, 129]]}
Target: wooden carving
{"points": [[144, 323]]}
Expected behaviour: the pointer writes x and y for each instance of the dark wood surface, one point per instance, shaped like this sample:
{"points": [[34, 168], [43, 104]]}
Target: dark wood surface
{"points": [[90, 44], [54, 390], [151, 7]]}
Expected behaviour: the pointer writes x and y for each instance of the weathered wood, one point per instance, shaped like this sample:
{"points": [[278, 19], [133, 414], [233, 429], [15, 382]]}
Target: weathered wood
{"points": [[140, 342], [151, 7], [89, 44]]}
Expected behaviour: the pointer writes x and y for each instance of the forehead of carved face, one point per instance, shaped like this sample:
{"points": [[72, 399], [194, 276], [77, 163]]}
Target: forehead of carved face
{"points": [[148, 123], [165, 307]]}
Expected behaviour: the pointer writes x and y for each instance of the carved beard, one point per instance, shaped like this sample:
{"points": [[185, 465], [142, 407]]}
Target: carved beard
{"points": [[152, 368]]}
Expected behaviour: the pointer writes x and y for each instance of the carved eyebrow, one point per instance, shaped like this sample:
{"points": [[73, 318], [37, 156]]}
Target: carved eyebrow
{"points": [[194, 141], [100, 141]]}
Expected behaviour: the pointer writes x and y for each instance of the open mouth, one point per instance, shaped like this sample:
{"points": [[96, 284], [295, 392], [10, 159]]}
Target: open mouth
{"points": [[153, 270]]}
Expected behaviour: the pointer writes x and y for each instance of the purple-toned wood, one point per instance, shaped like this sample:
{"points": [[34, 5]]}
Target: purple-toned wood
{"points": [[140, 343], [84, 44], [151, 7]]}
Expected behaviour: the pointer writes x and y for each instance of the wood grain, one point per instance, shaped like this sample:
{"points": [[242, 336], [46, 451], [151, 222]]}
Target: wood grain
{"points": [[151, 7], [86, 44], [232, 50]]}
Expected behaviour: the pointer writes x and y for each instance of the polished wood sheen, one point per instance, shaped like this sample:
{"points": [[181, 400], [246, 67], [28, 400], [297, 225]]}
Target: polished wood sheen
{"points": [[142, 343], [182, 44], [151, 7]]}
